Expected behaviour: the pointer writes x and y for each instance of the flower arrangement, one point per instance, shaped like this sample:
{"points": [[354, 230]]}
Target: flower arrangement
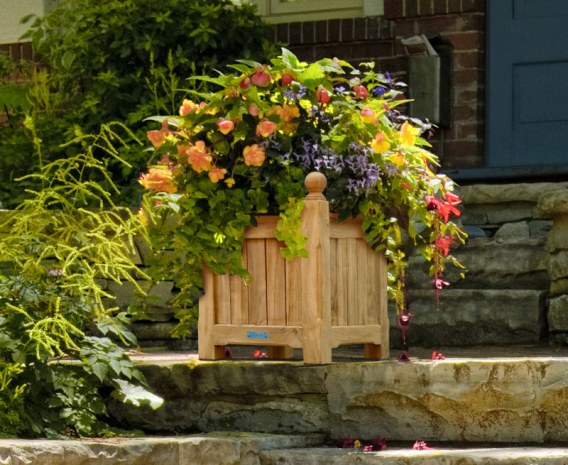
{"points": [[246, 147]]}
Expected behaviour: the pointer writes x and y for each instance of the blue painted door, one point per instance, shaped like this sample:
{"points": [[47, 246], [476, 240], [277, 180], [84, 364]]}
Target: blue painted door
{"points": [[527, 84]]}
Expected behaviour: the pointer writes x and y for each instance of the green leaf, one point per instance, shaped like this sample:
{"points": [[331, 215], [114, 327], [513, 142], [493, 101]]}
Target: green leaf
{"points": [[312, 76], [136, 395]]}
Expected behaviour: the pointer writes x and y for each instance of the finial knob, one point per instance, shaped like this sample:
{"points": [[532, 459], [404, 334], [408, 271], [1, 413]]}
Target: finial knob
{"points": [[315, 182]]}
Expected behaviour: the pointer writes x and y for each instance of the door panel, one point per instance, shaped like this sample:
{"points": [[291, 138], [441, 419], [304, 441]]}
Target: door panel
{"points": [[527, 83]]}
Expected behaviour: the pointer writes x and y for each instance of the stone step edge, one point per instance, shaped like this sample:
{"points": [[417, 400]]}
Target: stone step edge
{"points": [[471, 456], [221, 448]]}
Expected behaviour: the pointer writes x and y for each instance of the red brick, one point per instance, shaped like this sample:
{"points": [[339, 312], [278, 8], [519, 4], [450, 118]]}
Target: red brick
{"points": [[334, 30], [371, 49], [282, 33], [308, 32], [360, 29], [474, 22], [342, 51], [405, 28], [468, 60], [440, 24], [295, 33], [411, 8], [469, 131], [346, 30], [425, 7], [473, 5], [321, 31], [463, 113], [440, 7], [454, 6], [467, 77], [463, 153], [305, 52], [394, 9], [468, 95], [466, 40]]}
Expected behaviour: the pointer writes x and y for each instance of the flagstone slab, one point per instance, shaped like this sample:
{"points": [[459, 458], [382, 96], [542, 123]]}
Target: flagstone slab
{"points": [[466, 400]]}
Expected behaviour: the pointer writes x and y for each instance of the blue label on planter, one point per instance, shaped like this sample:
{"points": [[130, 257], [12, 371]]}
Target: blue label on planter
{"points": [[257, 335]]}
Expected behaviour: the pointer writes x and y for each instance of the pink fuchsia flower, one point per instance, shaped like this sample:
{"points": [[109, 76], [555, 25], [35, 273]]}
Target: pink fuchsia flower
{"points": [[438, 356], [254, 155], [322, 95], [260, 78], [216, 174], [225, 125], [368, 116], [380, 143], [265, 128], [421, 445], [245, 83], [361, 91], [439, 283], [407, 134], [253, 110], [158, 179], [198, 157], [287, 79], [444, 243], [448, 207]]}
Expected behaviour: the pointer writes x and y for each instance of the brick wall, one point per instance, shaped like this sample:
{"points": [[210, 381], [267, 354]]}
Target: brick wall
{"points": [[18, 51], [460, 22]]}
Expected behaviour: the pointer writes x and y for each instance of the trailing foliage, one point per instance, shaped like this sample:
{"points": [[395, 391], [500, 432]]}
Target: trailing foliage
{"points": [[117, 60], [60, 338]]}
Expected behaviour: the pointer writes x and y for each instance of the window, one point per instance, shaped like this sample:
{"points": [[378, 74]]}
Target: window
{"points": [[285, 11]]}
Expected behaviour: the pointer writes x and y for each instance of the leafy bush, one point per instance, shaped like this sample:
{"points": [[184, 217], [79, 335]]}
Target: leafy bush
{"points": [[119, 60], [60, 341]]}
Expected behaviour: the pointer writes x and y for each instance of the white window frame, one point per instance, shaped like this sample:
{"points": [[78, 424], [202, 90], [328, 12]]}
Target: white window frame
{"points": [[285, 11]]}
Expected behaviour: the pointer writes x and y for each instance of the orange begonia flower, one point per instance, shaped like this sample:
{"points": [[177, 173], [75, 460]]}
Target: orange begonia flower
{"points": [[158, 179], [216, 174], [265, 128], [254, 155], [198, 157], [225, 125]]}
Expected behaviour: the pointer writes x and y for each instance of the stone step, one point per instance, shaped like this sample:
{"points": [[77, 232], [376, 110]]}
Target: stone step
{"points": [[505, 399], [254, 449], [482, 456], [462, 317]]}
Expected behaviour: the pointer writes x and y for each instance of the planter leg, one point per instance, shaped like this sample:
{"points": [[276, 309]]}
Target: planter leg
{"points": [[280, 352], [373, 351]]}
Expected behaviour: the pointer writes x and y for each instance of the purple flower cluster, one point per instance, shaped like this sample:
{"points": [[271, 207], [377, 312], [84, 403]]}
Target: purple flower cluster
{"points": [[355, 166]]}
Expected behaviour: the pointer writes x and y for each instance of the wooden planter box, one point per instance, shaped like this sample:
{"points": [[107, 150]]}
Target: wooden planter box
{"points": [[336, 296]]}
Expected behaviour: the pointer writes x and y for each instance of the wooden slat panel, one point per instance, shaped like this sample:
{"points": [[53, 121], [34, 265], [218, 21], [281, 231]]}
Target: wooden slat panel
{"points": [[294, 292], [347, 230], [352, 287], [239, 301], [256, 254], [275, 284], [362, 254], [333, 280], [222, 299], [342, 335], [374, 288], [264, 229], [341, 270], [239, 296], [206, 322], [258, 335]]}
